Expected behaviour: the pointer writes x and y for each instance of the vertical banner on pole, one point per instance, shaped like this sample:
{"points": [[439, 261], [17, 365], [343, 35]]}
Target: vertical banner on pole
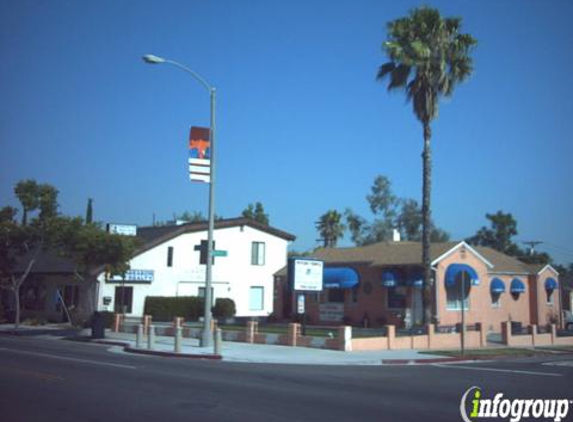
{"points": [[200, 155]]}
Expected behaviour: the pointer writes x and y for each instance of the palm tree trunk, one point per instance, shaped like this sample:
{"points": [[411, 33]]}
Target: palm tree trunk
{"points": [[17, 304], [426, 225]]}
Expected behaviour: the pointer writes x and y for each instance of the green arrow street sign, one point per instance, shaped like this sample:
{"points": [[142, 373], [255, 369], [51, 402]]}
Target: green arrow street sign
{"points": [[219, 253]]}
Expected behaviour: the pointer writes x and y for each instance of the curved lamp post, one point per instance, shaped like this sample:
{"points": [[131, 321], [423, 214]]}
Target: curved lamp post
{"points": [[207, 335]]}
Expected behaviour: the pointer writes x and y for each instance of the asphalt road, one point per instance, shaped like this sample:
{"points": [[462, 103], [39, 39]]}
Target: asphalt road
{"points": [[57, 380]]}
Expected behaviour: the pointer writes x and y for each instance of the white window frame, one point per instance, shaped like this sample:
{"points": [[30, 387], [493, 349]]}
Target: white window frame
{"points": [[258, 250], [261, 307]]}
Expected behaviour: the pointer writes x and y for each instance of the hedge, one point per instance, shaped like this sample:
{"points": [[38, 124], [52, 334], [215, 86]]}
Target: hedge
{"points": [[224, 308], [189, 307], [167, 308]]}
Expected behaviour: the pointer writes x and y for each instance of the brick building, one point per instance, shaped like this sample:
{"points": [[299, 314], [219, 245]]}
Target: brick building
{"points": [[382, 284]]}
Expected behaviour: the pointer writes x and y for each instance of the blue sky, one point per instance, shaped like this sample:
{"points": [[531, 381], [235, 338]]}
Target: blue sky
{"points": [[303, 126]]}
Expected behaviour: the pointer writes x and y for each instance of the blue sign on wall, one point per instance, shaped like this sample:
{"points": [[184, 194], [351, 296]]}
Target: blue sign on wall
{"points": [[134, 276]]}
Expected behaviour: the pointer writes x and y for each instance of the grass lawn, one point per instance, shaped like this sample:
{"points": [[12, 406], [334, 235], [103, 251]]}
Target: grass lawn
{"points": [[492, 353]]}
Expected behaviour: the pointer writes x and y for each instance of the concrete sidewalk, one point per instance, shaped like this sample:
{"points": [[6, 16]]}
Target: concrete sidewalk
{"points": [[231, 351], [273, 354]]}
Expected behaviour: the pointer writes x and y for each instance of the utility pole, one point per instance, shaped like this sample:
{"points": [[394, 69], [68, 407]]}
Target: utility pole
{"points": [[532, 244]]}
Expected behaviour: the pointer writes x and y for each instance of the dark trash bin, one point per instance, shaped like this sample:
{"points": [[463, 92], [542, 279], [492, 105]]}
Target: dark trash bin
{"points": [[98, 325]]}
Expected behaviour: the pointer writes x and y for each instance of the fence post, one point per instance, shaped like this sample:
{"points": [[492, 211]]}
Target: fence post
{"points": [[391, 336], [151, 338], [177, 322], [117, 320], [146, 323], [431, 335], [251, 327], [218, 341], [139, 337], [345, 338], [482, 334], [177, 345], [292, 334], [506, 333], [553, 334]]}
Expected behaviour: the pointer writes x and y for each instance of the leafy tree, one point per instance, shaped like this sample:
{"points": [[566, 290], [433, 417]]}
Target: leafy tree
{"points": [[28, 193], [330, 228], [390, 212], [90, 212], [503, 227], [499, 236], [192, 217], [428, 58], [20, 244], [48, 202], [92, 249], [256, 212]]}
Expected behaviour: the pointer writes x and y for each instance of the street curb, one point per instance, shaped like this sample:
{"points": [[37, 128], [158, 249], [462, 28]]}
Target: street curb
{"points": [[127, 347], [171, 354], [423, 361]]}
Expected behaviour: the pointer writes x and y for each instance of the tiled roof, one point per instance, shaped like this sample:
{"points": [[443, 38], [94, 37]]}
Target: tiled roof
{"points": [[410, 253], [153, 236]]}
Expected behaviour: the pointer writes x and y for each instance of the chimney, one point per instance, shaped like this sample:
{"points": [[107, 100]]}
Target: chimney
{"points": [[396, 235]]}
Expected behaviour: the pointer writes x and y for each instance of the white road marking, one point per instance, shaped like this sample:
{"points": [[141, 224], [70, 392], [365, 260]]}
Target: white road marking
{"points": [[560, 363], [512, 371], [93, 362]]}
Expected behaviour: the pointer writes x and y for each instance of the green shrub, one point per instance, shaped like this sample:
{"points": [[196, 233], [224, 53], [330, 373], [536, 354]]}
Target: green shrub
{"points": [[224, 308], [167, 308]]}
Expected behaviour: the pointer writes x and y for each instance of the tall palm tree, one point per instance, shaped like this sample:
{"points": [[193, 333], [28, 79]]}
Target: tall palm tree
{"points": [[428, 58], [330, 228]]}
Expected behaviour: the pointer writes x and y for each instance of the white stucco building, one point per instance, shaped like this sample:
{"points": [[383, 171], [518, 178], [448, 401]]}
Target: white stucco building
{"points": [[168, 264]]}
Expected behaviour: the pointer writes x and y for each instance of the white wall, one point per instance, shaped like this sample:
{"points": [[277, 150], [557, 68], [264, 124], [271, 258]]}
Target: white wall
{"points": [[233, 276]]}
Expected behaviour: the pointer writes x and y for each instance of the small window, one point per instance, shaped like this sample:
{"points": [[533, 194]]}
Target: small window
{"points": [[549, 296], [256, 298], [454, 295], [396, 298], [170, 256], [495, 300], [354, 294], [258, 253], [335, 295]]}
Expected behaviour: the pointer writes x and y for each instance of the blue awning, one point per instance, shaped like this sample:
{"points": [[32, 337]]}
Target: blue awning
{"points": [[339, 278], [550, 284], [517, 286], [389, 279], [497, 286], [416, 280], [454, 269]]}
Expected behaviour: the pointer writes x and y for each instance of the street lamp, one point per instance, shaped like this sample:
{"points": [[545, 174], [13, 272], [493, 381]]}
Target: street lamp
{"points": [[207, 335]]}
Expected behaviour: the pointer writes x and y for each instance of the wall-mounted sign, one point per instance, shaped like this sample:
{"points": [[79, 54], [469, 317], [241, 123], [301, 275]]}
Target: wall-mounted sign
{"points": [[134, 276], [306, 274], [300, 304], [123, 229], [331, 312]]}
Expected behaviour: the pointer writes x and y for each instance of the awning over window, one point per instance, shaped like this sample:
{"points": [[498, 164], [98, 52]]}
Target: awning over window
{"points": [[389, 279], [455, 269], [340, 278], [497, 286], [550, 284], [517, 286]]}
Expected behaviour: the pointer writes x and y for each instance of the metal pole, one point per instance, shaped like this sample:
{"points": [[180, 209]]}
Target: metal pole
{"points": [[207, 335], [463, 312]]}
